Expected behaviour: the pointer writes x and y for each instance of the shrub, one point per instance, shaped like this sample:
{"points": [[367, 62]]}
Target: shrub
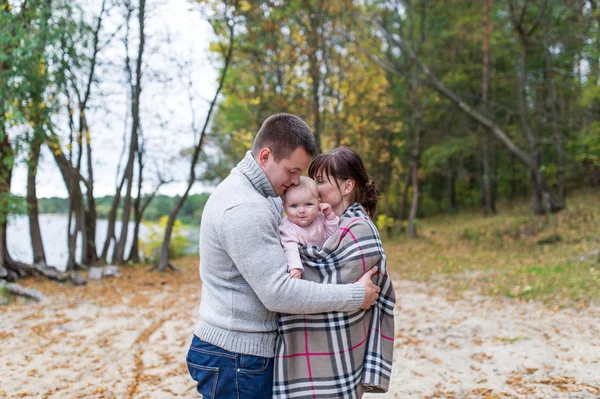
{"points": [[150, 247]]}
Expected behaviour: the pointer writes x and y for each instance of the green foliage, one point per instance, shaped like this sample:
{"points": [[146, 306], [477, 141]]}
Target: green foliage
{"points": [[4, 296], [373, 110], [11, 205], [31, 72], [385, 223], [151, 246], [586, 145]]}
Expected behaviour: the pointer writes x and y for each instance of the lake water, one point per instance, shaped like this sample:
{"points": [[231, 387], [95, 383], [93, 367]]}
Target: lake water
{"points": [[54, 237]]}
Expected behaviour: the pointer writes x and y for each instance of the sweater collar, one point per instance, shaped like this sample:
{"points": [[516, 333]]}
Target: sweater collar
{"points": [[253, 172]]}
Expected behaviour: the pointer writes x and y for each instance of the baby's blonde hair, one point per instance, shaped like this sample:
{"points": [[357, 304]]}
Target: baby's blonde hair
{"points": [[305, 183]]}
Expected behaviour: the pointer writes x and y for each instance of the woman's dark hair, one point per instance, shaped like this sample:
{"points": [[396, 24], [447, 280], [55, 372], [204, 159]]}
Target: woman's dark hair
{"points": [[342, 163]]}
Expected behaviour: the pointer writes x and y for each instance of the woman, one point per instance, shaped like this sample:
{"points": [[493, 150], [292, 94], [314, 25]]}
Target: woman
{"points": [[338, 354]]}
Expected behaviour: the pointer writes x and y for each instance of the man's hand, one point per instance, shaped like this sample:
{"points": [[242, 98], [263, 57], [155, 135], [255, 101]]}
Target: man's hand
{"points": [[327, 211], [371, 290], [296, 273]]}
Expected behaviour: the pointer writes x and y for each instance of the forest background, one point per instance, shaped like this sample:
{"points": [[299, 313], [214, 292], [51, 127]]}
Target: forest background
{"points": [[464, 108]]}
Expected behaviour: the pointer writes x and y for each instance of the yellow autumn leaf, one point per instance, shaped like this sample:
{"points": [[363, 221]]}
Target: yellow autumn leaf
{"points": [[245, 6]]}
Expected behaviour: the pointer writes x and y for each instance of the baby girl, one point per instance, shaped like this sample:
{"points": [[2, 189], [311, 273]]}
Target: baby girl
{"points": [[308, 222]]}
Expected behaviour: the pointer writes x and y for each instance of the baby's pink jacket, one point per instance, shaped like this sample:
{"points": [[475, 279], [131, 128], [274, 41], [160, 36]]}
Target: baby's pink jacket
{"points": [[316, 234]]}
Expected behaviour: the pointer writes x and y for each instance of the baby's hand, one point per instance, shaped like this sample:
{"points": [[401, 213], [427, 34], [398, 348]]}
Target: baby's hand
{"points": [[296, 273], [327, 211]]}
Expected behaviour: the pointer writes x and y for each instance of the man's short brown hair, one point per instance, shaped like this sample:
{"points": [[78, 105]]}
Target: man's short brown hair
{"points": [[283, 133]]}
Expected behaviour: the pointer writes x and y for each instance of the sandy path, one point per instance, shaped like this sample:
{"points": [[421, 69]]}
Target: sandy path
{"points": [[481, 347], [134, 345]]}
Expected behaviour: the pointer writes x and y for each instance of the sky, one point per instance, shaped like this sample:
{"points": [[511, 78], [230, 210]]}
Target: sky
{"points": [[176, 34]]}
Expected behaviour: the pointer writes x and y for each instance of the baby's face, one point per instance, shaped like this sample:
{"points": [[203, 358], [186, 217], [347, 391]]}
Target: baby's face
{"points": [[301, 206]]}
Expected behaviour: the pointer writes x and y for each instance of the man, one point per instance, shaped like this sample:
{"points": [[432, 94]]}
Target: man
{"points": [[243, 268]]}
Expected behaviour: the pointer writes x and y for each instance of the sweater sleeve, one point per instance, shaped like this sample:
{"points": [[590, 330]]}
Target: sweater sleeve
{"points": [[249, 233], [331, 226], [289, 241]]}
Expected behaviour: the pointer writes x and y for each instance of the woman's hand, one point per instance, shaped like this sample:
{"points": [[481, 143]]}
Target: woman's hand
{"points": [[371, 290]]}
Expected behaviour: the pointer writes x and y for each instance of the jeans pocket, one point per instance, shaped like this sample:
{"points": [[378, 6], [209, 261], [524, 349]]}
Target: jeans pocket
{"points": [[253, 364], [206, 379], [203, 369], [255, 380]]}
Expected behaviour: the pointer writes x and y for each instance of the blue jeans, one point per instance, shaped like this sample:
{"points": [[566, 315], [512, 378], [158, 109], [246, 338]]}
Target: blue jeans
{"points": [[221, 374]]}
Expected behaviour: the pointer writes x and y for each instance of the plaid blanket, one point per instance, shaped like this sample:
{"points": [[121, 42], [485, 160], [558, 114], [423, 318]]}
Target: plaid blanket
{"points": [[339, 354]]}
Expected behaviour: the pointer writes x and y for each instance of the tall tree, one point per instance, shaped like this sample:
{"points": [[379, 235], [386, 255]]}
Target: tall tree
{"points": [[136, 91], [28, 70], [488, 180], [225, 21]]}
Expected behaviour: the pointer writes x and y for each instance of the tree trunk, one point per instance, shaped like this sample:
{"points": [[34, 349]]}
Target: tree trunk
{"points": [[71, 178], [388, 177], [134, 253], [414, 206], [556, 135], [488, 184], [7, 156], [138, 223], [415, 159], [417, 125], [404, 201], [37, 245], [89, 251], [112, 217], [513, 178], [75, 206], [119, 253], [537, 193], [451, 189], [164, 254], [315, 70]]}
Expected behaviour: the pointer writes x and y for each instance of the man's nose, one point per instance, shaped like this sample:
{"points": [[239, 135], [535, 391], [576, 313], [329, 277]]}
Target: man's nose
{"points": [[296, 180]]}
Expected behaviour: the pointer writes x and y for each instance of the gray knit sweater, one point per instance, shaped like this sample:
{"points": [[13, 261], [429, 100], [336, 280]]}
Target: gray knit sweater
{"points": [[243, 268]]}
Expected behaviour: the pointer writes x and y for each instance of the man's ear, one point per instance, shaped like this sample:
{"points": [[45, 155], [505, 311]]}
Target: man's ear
{"points": [[263, 156], [348, 186]]}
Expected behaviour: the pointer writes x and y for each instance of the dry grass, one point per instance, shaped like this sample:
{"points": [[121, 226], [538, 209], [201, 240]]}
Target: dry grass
{"points": [[138, 281], [504, 254]]}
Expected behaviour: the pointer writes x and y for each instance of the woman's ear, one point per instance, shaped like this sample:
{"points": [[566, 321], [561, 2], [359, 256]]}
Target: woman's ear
{"points": [[263, 156], [348, 186]]}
